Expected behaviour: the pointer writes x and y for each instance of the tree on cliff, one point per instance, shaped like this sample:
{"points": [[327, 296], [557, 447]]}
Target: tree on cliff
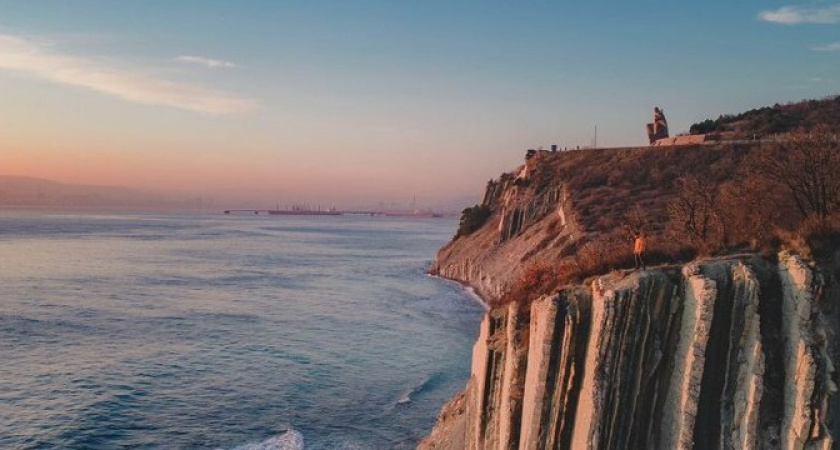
{"points": [[751, 208], [771, 120], [806, 164], [472, 219], [695, 213], [637, 220]]}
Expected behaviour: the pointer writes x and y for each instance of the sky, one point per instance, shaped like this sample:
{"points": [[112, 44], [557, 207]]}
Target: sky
{"points": [[356, 102]]}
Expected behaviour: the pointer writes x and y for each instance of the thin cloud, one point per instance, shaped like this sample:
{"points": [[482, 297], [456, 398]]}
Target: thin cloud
{"points": [[831, 47], [40, 61], [206, 62], [795, 15]]}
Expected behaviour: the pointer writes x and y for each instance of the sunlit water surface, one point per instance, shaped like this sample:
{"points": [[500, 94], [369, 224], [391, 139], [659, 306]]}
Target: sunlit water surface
{"points": [[173, 331]]}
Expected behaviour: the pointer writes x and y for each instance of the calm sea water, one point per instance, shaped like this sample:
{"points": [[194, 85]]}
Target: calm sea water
{"points": [[167, 331]]}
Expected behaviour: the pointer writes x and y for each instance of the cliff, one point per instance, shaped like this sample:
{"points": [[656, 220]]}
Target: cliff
{"points": [[721, 353], [547, 209], [729, 353]]}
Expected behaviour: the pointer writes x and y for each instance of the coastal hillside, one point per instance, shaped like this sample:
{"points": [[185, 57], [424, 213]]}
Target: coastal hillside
{"points": [[727, 340], [779, 118], [563, 207]]}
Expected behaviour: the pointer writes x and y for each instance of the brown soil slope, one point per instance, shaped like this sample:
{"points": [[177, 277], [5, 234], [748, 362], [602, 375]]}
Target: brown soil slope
{"points": [[556, 201]]}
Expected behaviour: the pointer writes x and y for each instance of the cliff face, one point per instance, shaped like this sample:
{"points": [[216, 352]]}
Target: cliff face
{"points": [[529, 221], [724, 354], [558, 199]]}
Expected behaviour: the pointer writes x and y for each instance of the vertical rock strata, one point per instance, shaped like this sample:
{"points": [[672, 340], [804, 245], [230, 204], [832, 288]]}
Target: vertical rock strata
{"points": [[628, 354], [699, 294], [556, 359], [514, 374], [722, 354], [745, 387], [808, 361]]}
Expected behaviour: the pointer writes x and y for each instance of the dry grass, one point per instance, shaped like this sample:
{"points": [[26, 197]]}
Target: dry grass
{"points": [[538, 279], [616, 193], [607, 184], [814, 238], [603, 254]]}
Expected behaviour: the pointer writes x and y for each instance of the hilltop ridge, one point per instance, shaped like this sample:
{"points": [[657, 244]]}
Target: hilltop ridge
{"points": [[776, 119], [559, 203]]}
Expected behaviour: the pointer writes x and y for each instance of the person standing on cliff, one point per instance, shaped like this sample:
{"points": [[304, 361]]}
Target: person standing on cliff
{"points": [[639, 248]]}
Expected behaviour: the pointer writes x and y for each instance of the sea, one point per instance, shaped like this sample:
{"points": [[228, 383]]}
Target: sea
{"points": [[206, 331]]}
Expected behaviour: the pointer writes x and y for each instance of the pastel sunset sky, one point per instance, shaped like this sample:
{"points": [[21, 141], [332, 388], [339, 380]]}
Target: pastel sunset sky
{"points": [[352, 102]]}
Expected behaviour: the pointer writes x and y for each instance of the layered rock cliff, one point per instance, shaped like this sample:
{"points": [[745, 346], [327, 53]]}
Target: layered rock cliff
{"points": [[722, 354], [729, 353]]}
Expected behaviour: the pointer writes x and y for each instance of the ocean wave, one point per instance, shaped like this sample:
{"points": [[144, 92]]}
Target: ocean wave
{"points": [[470, 291], [287, 440], [474, 295], [424, 385]]}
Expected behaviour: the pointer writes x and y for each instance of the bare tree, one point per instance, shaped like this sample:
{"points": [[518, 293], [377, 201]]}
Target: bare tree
{"points": [[694, 213], [807, 164], [749, 208], [636, 221]]}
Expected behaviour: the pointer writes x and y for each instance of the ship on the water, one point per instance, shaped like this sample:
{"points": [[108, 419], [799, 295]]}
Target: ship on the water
{"points": [[308, 211], [286, 212], [293, 210]]}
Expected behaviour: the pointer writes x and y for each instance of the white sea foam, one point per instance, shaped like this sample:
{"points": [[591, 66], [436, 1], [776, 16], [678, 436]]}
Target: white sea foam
{"points": [[421, 387], [468, 289], [406, 397], [471, 291], [288, 440]]}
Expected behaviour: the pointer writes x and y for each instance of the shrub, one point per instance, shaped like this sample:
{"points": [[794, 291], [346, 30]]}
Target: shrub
{"points": [[696, 214], [614, 251], [806, 164], [472, 219], [751, 207], [538, 279], [804, 115], [706, 126], [815, 238], [601, 255], [638, 220], [607, 252]]}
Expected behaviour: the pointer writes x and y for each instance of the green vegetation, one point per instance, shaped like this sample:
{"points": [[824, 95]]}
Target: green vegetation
{"points": [[472, 219], [776, 119]]}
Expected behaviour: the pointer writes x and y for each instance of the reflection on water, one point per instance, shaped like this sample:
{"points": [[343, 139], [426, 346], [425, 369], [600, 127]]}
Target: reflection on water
{"points": [[216, 332]]}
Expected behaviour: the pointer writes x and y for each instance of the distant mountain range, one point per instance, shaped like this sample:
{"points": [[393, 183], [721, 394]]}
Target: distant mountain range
{"points": [[20, 191], [28, 191]]}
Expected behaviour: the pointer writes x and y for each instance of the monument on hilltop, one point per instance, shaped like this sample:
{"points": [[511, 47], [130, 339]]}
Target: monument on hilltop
{"points": [[659, 128]]}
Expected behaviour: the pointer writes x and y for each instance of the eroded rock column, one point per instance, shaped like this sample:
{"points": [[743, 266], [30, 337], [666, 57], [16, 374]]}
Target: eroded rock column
{"points": [[809, 367], [633, 330], [559, 328]]}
